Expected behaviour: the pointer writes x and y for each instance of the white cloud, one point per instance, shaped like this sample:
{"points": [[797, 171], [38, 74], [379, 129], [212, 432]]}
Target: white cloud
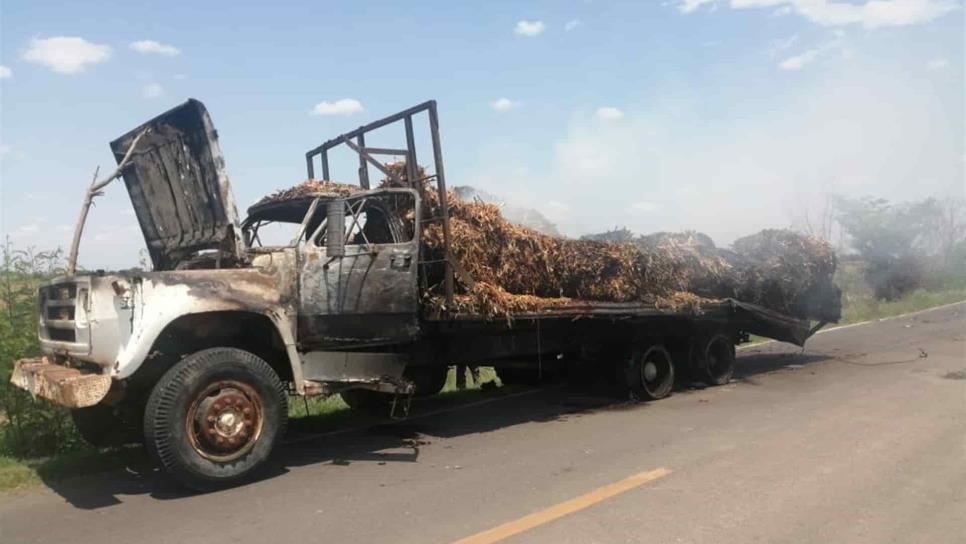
{"points": [[343, 106], [65, 54], [868, 14], [151, 46], [782, 11], [152, 90], [937, 64], [179, 77], [4, 150], [609, 113], [573, 25], [529, 28], [503, 104], [799, 61], [737, 4], [5, 72], [687, 6], [777, 47]]}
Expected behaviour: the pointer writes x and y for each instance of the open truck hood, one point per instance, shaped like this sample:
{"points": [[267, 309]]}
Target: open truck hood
{"points": [[179, 187]]}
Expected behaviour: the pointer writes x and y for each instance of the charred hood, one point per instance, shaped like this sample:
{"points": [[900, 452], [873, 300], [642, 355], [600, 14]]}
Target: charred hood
{"points": [[179, 187]]}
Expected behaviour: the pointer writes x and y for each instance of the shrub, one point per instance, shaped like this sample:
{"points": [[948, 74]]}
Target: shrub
{"points": [[893, 278], [28, 427]]}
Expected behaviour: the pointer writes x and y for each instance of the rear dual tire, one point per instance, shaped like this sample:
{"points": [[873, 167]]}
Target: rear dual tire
{"points": [[714, 359], [650, 372], [213, 419]]}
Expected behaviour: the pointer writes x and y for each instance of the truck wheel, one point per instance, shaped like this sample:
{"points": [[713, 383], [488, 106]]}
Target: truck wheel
{"points": [[714, 359], [101, 426], [214, 418], [650, 373]]}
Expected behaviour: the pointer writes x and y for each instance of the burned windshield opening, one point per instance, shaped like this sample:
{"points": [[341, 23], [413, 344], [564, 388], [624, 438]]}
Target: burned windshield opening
{"points": [[370, 219], [276, 224]]}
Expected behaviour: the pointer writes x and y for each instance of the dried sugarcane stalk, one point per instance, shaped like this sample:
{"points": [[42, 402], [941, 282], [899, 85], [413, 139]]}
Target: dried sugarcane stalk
{"points": [[96, 190]]}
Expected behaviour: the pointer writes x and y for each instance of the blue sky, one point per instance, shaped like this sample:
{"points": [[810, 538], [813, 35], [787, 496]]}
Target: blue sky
{"points": [[722, 115]]}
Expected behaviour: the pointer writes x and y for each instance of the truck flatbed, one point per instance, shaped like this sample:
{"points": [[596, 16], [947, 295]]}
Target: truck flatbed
{"points": [[749, 318]]}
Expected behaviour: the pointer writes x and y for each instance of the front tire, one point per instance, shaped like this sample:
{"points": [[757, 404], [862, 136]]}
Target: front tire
{"points": [[214, 418]]}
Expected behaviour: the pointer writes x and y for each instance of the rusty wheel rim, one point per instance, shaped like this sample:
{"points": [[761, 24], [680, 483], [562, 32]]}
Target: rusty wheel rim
{"points": [[225, 420]]}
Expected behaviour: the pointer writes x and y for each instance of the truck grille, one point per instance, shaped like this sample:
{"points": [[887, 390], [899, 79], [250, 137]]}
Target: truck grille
{"points": [[60, 305]]}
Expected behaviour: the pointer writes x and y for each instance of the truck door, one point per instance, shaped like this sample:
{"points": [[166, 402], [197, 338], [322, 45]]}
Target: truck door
{"points": [[368, 295]]}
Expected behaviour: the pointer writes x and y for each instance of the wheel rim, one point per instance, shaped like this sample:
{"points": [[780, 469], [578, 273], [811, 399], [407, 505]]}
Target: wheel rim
{"points": [[225, 420], [656, 372]]}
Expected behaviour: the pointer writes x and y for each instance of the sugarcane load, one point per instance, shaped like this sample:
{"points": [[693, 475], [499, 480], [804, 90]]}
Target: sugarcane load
{"points": [[371, 290]]}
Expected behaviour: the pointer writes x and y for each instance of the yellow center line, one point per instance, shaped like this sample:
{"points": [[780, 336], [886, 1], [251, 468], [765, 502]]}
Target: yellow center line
{"points": [[562, 509]]}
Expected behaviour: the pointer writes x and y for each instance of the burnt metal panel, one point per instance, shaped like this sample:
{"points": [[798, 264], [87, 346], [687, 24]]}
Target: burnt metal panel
{"points": [[179, 186], [352, 366], [367, 296], [361, 298]]}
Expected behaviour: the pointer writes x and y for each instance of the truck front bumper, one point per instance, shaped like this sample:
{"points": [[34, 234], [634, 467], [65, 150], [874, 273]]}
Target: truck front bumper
{"points": [[71, 387]]}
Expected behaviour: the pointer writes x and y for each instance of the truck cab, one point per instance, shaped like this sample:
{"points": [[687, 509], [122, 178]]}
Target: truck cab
{"points": [[357, 262], [311, 294]]}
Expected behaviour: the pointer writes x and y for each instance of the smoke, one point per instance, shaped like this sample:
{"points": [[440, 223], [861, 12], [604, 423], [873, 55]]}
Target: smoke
{"points": [[762, 162]]}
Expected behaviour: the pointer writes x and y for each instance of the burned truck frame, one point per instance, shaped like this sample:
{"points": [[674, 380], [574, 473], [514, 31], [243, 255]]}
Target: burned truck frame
{"points": [[197, 357]]}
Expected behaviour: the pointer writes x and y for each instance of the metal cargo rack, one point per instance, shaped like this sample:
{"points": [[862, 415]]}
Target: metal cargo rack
{"points": [[356, 141]]}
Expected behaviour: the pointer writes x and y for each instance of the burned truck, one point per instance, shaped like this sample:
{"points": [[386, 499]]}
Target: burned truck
{"points": [[327, 291]]}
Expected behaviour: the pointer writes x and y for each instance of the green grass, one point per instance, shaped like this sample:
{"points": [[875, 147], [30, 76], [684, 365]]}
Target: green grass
{"points": [[16, 474], [24, 473], [316, 407], [866, 309], [859, 303]]}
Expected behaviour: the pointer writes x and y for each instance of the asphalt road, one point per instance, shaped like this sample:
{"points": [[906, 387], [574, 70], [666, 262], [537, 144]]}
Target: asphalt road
{"points": [[861, 438]]}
